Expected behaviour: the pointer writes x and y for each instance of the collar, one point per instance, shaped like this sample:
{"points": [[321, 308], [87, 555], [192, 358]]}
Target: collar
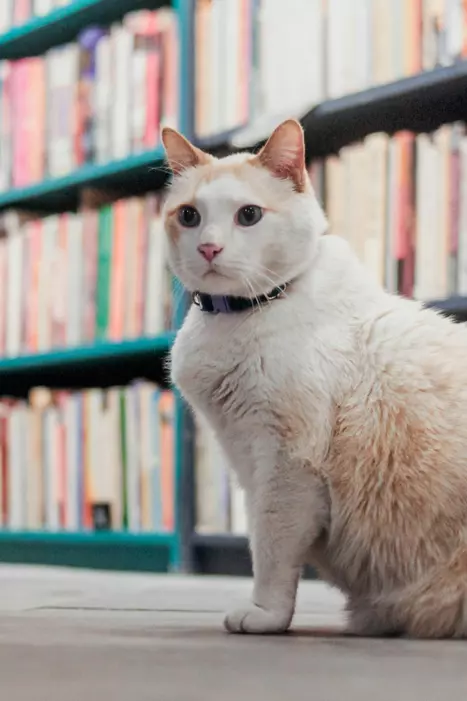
{"points": [[227, 304]]}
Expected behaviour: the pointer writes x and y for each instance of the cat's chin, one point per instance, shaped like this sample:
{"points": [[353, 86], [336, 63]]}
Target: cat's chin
{"points": [[214, 282]]}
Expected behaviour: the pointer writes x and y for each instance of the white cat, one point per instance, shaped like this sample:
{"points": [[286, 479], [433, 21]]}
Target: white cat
{"points": [[342, 409]]}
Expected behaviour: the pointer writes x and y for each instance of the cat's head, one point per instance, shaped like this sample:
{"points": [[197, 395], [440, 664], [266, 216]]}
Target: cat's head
{"points": [[243, 224]]}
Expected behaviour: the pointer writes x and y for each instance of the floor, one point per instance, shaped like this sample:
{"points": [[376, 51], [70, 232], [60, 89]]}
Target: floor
{"points": [[87, 636]]}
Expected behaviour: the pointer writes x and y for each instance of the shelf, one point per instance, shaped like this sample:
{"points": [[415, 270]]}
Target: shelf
{"points": [[225, 554], [420, 103], [100, 365], [146, 552], [63, 25], [133, 175], [451, 306]]}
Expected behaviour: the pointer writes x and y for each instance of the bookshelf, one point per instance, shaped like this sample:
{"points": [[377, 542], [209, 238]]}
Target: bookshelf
{"points": [[104, 363], [110, 551], [419, 103], [133, 175], [63, 25], [100, 364]]}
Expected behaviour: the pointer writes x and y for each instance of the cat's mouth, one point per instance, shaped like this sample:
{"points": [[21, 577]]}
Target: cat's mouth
{"points": [[214, 272]]}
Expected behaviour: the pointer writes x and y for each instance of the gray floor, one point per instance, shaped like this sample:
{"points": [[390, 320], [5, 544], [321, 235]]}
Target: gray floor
{"points": [[70, 635]]}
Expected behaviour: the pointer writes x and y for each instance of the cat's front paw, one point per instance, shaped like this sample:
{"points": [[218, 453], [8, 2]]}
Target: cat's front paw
{"points": [[253, 619]]}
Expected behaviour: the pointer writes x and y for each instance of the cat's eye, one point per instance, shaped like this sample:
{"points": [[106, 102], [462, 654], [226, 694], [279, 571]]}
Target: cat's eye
{"points": [[189, 216], [249, 215]]}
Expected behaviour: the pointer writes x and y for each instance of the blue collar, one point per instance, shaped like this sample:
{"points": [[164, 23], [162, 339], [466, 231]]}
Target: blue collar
{"points": [[227, 304]]}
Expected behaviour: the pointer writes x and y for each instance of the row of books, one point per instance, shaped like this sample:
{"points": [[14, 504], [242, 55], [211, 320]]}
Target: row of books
{"points": [[93, 101], [93, 460], [75, 279], [220, 504], [16, 12], [402, 203], [263, 59]]}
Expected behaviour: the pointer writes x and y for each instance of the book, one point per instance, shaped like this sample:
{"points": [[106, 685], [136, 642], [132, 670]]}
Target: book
{"points": [[50, 483], [98, 99], [409, 189], [80, 278]]}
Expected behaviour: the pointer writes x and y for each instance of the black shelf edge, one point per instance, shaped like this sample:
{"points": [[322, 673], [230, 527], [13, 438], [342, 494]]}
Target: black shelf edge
{"points": [[64, 24], [419, 103], [225, 554], [221, 554], [136, 174], [103, 364], [455, 306]]}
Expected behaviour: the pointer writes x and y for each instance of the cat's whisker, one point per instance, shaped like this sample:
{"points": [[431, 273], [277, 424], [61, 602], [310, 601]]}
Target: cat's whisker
{"points": [[240, 269], [248, 284], [275, 282]]}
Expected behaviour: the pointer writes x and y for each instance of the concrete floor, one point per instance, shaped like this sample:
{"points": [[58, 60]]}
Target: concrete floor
{"points": [[69, 635]]}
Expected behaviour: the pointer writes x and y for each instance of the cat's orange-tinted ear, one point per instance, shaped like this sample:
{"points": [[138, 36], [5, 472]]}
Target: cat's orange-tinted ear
{"points": [[284, 153], [180, 153]]}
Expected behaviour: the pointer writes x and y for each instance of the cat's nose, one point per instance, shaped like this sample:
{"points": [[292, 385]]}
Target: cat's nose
{"points": [[209, 250]]}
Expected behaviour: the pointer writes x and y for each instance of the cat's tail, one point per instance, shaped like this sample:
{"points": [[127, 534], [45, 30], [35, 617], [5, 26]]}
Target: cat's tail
{"points": [[433, 607]]}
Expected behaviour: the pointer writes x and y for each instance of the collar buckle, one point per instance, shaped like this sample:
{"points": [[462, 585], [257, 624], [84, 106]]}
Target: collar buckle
{"points": [[276, 293]]}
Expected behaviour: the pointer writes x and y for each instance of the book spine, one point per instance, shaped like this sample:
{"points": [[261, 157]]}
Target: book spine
{"points": [[85, 144], [118, 267], [103, 272]]}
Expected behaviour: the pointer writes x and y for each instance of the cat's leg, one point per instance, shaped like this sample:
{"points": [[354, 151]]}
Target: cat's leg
{"points": [[287, 511]]}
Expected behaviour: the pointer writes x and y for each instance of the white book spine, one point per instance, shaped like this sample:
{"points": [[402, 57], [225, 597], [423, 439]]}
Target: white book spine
{"points": [[16, 514], [51, 470], [47, 286], [104, 94], [42, 7], [6, 15], [120, 127], [14, 316], [74, 268], [154, 311], [133, 460], [71, 418]]}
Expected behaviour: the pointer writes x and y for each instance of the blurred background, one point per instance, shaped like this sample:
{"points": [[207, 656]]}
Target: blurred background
{"points": [[100, 463]]}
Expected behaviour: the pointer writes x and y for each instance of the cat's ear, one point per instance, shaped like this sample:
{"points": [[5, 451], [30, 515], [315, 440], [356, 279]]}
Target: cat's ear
{"points": [[284, 153], [180, 153]]}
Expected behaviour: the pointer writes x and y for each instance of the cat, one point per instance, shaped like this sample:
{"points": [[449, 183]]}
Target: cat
{"points": [[341, 408]]}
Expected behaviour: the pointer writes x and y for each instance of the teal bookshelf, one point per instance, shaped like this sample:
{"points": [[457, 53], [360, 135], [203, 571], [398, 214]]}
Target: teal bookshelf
{"points": [[65, 23], [137, 173], [102, 364], [144, 552]]}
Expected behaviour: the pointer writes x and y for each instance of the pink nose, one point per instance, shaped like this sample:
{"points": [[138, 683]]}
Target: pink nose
{"points": [[209, 250]]}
